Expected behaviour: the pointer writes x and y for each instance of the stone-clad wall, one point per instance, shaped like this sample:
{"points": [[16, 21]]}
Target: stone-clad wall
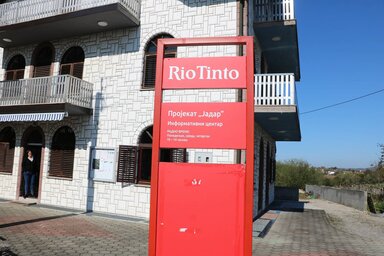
{"points": [[260, 134], [113, 63]]}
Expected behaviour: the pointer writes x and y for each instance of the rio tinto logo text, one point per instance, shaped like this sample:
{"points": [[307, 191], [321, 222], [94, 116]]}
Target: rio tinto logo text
{"points": [[202, 73], [205, 73]]}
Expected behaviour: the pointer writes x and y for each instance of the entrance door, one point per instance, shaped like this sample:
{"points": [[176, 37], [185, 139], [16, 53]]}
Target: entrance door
{"points": [[33, 140]]}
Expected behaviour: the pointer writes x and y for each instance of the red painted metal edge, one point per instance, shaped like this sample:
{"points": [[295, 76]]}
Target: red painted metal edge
{"points": [[198, 41], [156, 149], [248, 213]]}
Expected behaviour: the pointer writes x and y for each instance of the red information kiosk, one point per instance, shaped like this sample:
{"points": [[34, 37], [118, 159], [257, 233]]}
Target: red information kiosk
{"points": [[202, 209]]}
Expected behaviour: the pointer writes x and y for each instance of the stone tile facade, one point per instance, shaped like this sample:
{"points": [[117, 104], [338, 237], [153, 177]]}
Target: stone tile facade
{"points": [[122, 110]]}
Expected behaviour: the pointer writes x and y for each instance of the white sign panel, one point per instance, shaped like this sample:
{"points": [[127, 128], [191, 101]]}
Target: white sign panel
{"points": [[103, 164]]}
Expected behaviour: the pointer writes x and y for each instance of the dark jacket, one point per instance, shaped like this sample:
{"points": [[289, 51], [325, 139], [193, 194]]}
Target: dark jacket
{"points": [[29, 165]]}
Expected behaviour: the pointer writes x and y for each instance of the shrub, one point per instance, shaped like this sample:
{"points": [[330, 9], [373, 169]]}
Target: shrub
{"points": [[297, 173]]}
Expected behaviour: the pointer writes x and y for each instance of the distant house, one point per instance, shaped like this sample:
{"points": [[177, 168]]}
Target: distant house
{"points": [[78, 83]]}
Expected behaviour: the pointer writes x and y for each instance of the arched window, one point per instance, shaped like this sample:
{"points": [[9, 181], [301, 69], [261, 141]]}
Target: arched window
{"points": [[150, 56], [72, 62], [145, 155], [42, 60], [7, 149], [15, 68], [135, 161], [62, 153]]}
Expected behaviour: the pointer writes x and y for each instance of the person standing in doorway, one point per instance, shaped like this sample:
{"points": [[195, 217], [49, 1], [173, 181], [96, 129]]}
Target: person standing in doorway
{"points": [[29, 173]]}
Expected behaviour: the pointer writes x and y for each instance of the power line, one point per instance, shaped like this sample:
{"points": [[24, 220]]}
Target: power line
{"points": [[343, 102]]}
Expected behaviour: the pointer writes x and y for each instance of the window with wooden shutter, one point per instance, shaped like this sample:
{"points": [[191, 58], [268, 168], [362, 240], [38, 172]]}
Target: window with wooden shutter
{"points": [[3, 155], [14, 74], [77, 69], [41, 71], [15, 68], [134, 164], [149, 71], [7, 149], [62, 153], [65, 69], [9, 156], [127, 164], [42, 60], [72, 62], [150, 56], [15, 71]]}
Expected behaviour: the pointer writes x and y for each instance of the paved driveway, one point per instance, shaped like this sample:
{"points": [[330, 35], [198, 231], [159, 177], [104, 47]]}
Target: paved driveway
{"points": [[310, 233], [40, 231]]}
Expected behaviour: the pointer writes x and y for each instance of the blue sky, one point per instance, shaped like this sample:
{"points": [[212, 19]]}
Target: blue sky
{"points": [[341, 46]]}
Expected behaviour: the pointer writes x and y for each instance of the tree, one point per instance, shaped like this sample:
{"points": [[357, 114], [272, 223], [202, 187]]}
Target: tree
{"points": [[297, 173]]}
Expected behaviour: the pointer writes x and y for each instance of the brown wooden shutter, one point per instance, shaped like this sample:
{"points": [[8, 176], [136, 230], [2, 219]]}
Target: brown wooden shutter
{"points": [[14, 74], [9, 75], [127, 164], [19, 74], [150, 69], [77, 70], [9, 160], [68, 157], [62, 153], [3, 156], [55, 163], [179, 155], [6, 157], [65, 69], [61, 163], [73, 69], [40, 71]]}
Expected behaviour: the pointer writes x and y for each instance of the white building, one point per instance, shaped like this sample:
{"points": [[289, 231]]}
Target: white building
{"points": [[77, 88]]}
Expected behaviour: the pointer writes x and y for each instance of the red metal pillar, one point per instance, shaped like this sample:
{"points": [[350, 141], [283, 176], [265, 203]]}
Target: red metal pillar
{"points": [[249, 166]]}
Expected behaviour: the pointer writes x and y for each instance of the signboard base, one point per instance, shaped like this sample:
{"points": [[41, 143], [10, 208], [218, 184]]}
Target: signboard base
{"points": [[201, 209]]}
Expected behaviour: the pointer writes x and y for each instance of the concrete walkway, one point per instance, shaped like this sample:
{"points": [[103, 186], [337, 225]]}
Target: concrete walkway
{"points": [[302, 228], [295, 230]]}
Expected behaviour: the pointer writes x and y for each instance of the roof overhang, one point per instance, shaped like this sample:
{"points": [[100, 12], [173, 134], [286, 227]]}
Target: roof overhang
{"points": [[281, 122], [76, 23], [279, 45]]}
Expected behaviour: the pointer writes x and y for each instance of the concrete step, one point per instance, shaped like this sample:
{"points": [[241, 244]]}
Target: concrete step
{"points": [[26, 201], [260, 226]]}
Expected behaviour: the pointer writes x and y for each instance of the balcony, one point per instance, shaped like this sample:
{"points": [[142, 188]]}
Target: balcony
{"points": [[32, 21], [276, 30], [276, 106], [54, 94]]}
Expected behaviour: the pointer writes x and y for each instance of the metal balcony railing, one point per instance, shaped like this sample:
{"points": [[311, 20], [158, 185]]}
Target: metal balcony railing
{"points": [[46, 90], [28, 10], [275, 90], [274, 10]]}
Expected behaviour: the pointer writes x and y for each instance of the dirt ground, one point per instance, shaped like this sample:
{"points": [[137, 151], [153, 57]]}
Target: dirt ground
{"points": [[350, 220]]}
